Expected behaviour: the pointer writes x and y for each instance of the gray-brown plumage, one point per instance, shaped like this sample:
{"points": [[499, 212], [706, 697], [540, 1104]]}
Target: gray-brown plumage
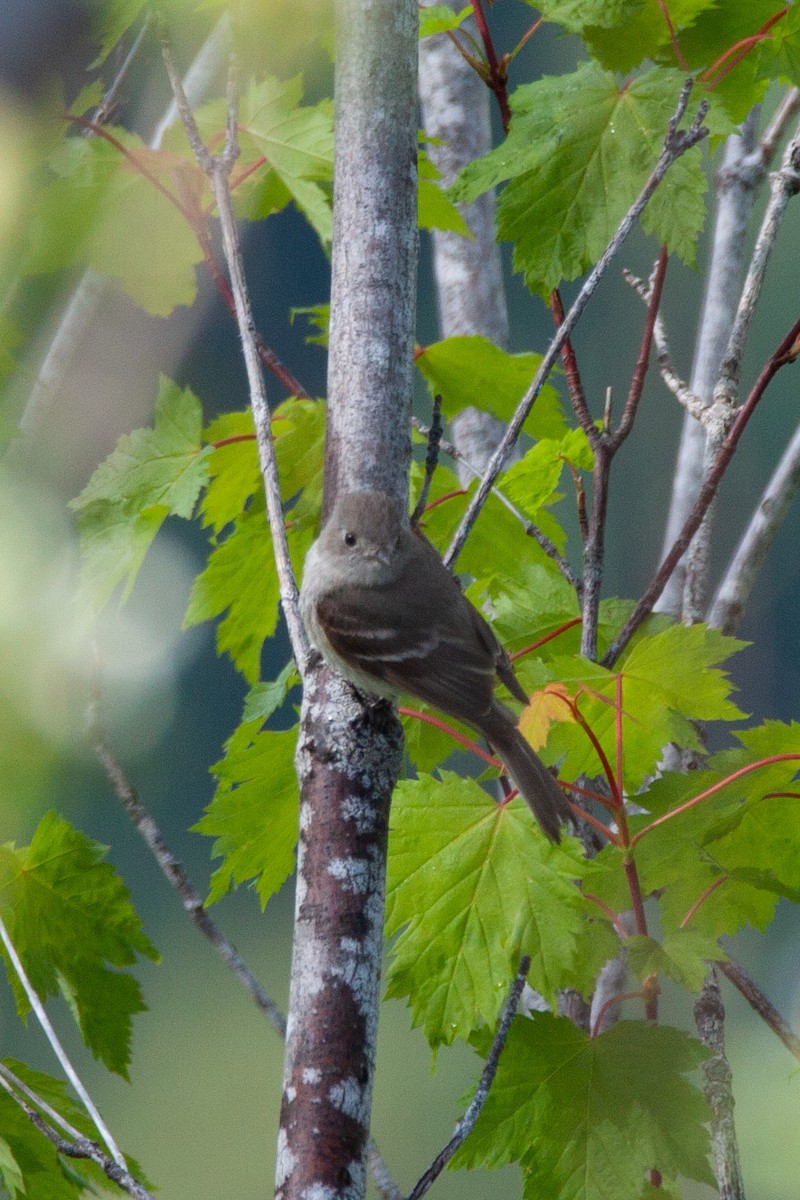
{"points": [[381, 606]]}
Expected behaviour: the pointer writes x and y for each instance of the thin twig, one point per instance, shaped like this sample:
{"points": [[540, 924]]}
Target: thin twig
{"points": [[532, 530], [218, 168], [781, 356], [679, 388], [431, 459], [109, 99], [572, 374], [785, 183], [761, 1003], [467, 1122], [709, 1017], [676, 143], [777, 126], [769, 513], [605, 445], [79, 1146], [177, 877], [57, 1048]]}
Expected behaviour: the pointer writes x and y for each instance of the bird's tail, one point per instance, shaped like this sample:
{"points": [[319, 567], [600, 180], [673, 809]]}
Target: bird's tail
{"points": [[529, 774]]}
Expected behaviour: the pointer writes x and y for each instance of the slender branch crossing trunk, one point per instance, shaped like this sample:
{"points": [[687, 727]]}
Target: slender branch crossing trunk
{"points": [[349, 752]]}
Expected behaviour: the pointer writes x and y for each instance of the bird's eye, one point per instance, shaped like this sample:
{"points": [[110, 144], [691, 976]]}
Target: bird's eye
{"points": [[350, 539]]}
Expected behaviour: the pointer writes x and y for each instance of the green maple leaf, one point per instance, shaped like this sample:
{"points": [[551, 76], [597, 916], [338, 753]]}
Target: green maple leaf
{"points": [[254, 813], [578, 152], [240, 579], [472, 886], [438, 18], [434, 210], [669, 680], [473, 371], [72, 923], [101, 211], [151, 474], [297, 143], [683, 956], [587, 1117], [640, 32]]}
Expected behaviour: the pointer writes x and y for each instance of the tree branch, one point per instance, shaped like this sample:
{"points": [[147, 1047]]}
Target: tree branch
{"points": [[737, 184], [57, 1048], [709, 1016], [762, 1004], [218, 169], [781, 356], [676, 143], [76, 1145], [467, 1122], [733, 593]]}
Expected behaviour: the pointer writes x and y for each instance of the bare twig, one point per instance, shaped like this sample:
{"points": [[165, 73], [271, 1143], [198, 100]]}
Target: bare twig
{"points": [[605, 445], [781, 356], [431, 459], [179, 880], [57, 1048], [467, 1122], [737, 184], [676, 143], [218, 168], [532, 530], [785, 183], [103, 110], [783, 114], [709, 1016], [77, 1145], [742, 572], [757, 1000], [679, 388]]}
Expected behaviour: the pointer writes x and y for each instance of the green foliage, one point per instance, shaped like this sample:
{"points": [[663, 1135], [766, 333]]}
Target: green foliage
{"points": [[493, 887], [29, 1163], [253, 816], [471, 371], [473, 884], [578, 153], [151, 474], [438, 18], [434, 210], [240, 578], [70, 918], [612, 1106]]}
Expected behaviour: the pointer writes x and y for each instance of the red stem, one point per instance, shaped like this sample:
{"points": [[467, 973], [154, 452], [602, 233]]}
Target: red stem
{"points": [[712, 887], [784, 354], [715, 73], [610, 1002], [590, 795], [673, 37], [717, 787], [613, 917], [441, 499], [461, 738], [497, 75], [548, 637], [583, 815], [634, 887]]}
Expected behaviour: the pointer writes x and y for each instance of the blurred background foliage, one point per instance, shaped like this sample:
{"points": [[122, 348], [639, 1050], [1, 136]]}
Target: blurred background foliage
{"points": [[201, 1113]]}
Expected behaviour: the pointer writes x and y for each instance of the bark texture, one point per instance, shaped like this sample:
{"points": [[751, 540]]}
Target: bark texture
{"points": [[350, 751], [375, 243]]}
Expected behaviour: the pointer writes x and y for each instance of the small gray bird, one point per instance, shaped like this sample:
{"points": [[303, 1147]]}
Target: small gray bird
{"points": [[382, 608]]}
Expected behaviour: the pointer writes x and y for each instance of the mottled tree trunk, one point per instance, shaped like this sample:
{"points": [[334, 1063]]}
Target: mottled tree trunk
{"points": [[349, 753]]}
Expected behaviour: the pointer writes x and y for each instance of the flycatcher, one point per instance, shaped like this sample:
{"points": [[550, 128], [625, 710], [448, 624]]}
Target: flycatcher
{"points": [[382, 608]]}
